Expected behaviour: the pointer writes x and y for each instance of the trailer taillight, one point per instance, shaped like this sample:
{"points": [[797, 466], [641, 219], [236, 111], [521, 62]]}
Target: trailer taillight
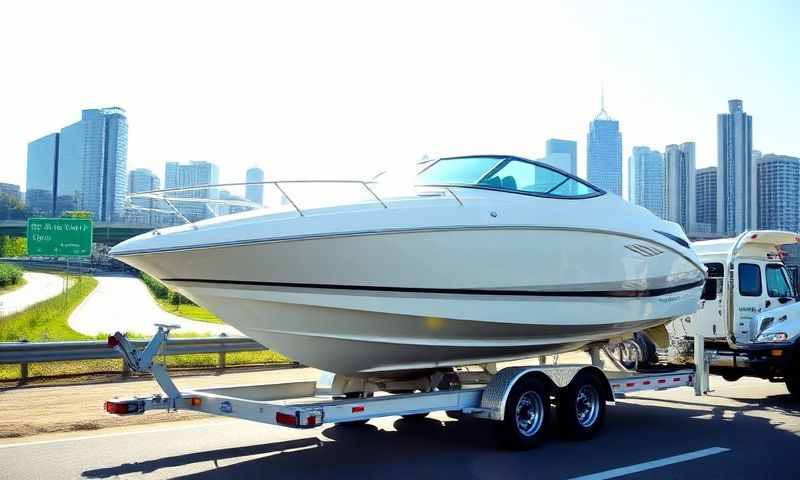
{"points": [[286, 419], [112, 341], [123, 407]]}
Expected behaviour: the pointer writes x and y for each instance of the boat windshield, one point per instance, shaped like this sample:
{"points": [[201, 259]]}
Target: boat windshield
{"points": [[505, 173]]}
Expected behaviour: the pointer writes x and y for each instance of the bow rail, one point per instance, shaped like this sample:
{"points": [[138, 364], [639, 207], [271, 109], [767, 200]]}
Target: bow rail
{"points": [[168, 197]]}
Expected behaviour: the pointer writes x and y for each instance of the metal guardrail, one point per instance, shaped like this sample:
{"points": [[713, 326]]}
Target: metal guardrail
{"points": [[24, 353]]}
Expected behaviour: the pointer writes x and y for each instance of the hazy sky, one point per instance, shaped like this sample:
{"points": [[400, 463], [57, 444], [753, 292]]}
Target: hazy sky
{"points": [[345, 89]]}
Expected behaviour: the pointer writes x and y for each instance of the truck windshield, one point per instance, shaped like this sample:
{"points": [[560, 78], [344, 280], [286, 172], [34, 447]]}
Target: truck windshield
{"points": [[777, 283]]}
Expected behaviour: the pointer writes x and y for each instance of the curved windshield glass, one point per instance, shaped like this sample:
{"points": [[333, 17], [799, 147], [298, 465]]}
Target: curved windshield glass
{"points": [[504, 174]]}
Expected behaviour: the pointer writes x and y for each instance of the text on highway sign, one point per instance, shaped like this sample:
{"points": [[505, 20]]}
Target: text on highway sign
{"points": [[59, 237]]}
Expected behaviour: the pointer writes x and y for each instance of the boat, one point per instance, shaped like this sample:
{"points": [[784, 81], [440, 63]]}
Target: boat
{"points": [[480, 259]]}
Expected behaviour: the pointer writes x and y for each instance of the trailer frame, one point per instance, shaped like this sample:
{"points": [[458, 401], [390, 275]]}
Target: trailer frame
{"points": [[337, 399]]}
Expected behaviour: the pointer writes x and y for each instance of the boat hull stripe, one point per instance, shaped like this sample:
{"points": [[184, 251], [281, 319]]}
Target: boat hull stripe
{"points": [[656, 292]]}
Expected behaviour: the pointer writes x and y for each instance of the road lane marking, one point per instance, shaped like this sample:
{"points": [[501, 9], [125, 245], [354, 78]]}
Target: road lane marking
{"points": [[115, 434], [641, 467]]}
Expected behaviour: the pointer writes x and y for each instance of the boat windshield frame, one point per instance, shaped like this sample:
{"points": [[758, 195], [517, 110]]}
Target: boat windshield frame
{"points": [[502, 161]]}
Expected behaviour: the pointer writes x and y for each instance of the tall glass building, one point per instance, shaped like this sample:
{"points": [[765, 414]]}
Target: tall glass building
{"points": [[646, 179], [88, 161], [706, 200], [255, 193], [679, 185], [779, 193], [604, 153], [144, 210], [562, 154], [194, 174], [737, 203], [40, 184]]}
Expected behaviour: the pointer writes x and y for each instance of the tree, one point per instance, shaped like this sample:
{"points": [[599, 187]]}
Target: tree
{"points": [[78, 214], [12, 209], [13, 246]]}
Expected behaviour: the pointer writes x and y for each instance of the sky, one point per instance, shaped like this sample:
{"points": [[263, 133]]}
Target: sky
{"points": [[345, 89]]}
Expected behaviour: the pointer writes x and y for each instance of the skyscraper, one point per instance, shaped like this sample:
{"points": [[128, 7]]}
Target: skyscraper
{"points": [[11, 190], [40, 184], [83, 167], [255, 193], [646, 179], [604, 152], [191, 175], [562, 154], [737, 203], [706, 200], [679, 185], [779, 193], [143, 180]]}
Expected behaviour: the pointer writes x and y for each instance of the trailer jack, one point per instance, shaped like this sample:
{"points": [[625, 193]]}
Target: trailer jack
{"points": [[142, 361]]}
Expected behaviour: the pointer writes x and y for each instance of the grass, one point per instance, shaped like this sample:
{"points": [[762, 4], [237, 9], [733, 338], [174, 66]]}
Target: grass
{"points": [[175, 303], [10, 288], [47, 320], [192, 312]]}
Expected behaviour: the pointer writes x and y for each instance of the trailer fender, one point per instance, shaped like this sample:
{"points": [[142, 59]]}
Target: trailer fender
{"points": [[493, 400]]}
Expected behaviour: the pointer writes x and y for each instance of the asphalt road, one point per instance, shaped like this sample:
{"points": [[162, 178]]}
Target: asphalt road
{"points": [[751, 427], [122, 303]]}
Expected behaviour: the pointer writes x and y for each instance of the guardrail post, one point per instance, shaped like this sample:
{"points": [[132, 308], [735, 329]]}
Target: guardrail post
{"points": [[23, 372], [222, 360], [126, 370]]}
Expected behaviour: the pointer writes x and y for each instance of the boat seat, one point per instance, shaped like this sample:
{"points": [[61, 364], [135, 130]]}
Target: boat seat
{"points": [[493, 182], [509, 183]]}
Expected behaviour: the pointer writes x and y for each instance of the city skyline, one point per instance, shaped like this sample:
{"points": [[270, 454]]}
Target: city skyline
{"points": [[406, 101]]}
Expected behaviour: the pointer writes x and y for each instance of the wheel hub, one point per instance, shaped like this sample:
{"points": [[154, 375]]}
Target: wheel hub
{"points": [[529, 413], [587, 405]]}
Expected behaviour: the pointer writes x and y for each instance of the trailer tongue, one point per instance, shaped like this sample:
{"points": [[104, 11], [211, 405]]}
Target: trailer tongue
{"points": [[518, 398]]}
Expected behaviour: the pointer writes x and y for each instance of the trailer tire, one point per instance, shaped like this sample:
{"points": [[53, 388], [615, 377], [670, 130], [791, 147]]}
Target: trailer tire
{"points": [[415, 417], [582, 407], [527, 414], [793, 385]]}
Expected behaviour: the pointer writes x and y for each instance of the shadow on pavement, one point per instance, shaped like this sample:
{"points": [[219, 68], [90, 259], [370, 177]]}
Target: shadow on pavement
{"points": [[466, 448]]}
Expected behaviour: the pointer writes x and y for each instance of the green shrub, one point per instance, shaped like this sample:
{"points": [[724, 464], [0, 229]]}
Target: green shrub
{"points": [[9, 274], [158, 289], [176, 298]]}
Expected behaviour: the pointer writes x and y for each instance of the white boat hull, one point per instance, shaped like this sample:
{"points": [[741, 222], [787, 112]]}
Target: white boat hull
{"points": [[414, 299]]}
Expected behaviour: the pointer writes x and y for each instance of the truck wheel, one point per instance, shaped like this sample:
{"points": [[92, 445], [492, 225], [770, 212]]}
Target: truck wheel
{"points": [[793, 385], [527, 414], [581, 407], [731, 377]]}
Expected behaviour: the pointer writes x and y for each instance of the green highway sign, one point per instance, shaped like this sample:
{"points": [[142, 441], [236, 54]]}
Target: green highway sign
{"points": [[59, 237]]}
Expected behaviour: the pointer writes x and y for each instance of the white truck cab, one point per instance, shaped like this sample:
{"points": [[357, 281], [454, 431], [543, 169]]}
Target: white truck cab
{"points": [[749, 313]]}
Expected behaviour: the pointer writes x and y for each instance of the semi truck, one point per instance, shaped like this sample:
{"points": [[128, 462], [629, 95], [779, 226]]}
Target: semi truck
{"points": [[749, 314]]}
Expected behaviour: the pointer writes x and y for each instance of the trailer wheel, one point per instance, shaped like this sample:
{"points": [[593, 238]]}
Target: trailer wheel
{"points": [[527, 414], [581, 407], [793, 385]]}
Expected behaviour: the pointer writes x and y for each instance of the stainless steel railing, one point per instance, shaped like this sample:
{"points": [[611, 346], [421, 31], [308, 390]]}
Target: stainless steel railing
{"points": [[170, 199]]}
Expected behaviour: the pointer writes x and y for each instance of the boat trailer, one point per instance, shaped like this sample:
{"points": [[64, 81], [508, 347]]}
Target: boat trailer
{"points": [[519, 398]]}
